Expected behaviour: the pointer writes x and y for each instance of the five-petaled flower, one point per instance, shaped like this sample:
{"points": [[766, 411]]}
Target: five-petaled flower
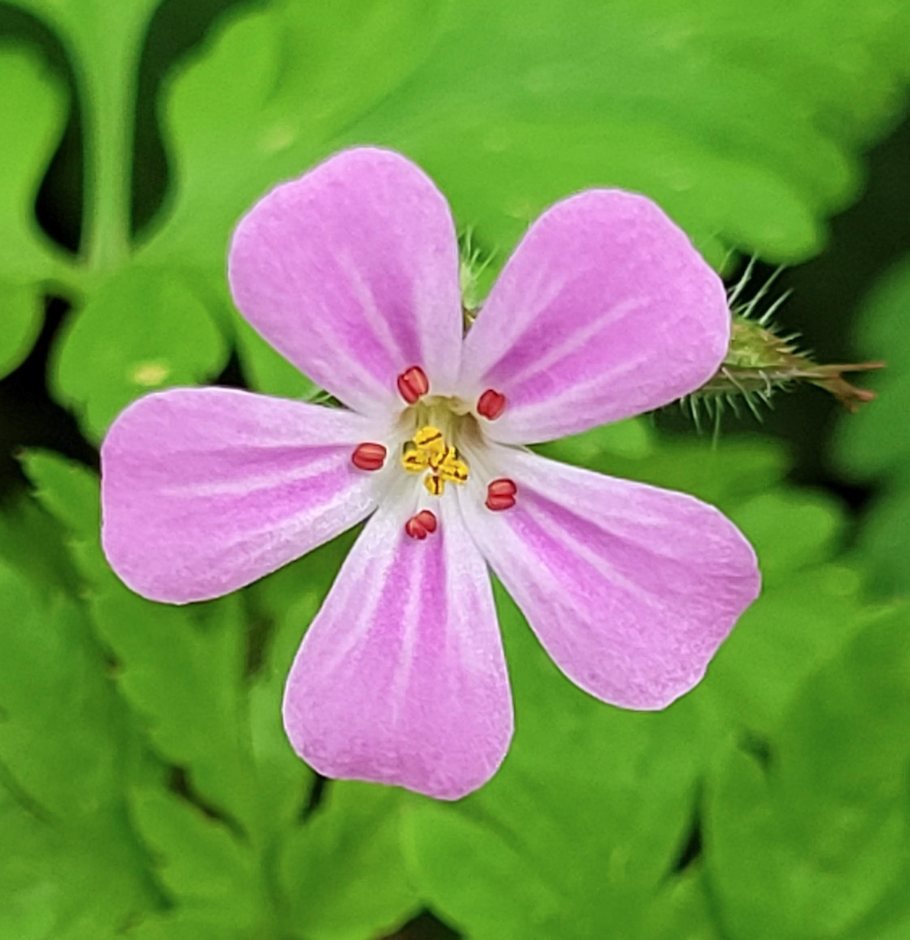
{"points": [[605, 310]]}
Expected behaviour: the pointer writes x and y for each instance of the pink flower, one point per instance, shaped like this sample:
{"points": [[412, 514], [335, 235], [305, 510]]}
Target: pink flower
{"points": [[605, 310]]}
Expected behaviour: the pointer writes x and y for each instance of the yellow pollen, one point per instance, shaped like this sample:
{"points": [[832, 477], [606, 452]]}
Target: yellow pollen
{"points": [[435, 485], [430, 439], [427, 451]]}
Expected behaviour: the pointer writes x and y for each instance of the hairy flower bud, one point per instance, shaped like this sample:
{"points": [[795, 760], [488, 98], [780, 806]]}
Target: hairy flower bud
{"points": [[761, 361]]}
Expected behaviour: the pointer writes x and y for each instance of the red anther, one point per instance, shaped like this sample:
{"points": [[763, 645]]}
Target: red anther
{"points": [[491, 404], [413, 528], [501, 494], [413, 384], [502, 487], [368, 456], [498, 503], [427, 520], [421, 525]]}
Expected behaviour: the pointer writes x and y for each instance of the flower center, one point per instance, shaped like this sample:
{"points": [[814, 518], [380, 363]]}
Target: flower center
{"points": [[429, 453], [438, 424]]}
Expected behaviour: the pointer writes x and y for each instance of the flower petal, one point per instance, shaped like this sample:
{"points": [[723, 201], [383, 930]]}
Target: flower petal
{"points": [[630, 588], [205, 490], [605, 310], [351, 272], [401, 677]]}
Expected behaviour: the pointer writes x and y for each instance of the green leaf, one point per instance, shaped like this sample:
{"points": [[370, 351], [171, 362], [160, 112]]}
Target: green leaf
{"points": [[201, 864], [684, 911], [21, 313], [80, 22], [267, 370], [143, 330], [875, 444], [883, 543], [874, 441], [580, 829], [746, 128], [808, 609], [189, 924], [103, 42], [307, 72], [30, 902], [636, 102], [809, 845], [32, 114], [183, 674], [71, 865], [131, 353], [793, 628], [790, 529], [67, 490], [344, 872], [31, 542], [71, 884], [633, 439], [181, 668], [209, 709], [55, 698], [722, 475], [511, 111], [485, 881], [580, 832], [284, 780]]}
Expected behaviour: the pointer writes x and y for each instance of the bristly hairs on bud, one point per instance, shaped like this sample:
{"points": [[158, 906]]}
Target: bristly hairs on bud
{"points": [[475, 275], [761, 360]]}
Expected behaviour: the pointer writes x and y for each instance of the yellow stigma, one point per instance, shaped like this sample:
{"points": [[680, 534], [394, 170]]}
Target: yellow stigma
{"points": [[427, 451]]}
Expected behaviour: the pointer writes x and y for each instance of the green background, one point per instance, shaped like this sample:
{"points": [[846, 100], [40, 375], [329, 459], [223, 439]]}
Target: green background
{"points": [[146, 787]]}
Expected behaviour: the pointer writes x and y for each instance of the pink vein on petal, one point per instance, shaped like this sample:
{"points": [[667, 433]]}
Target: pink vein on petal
{"points": [[631, 589], [401, 677], [605, 310], [351, 272], [206, 490]]}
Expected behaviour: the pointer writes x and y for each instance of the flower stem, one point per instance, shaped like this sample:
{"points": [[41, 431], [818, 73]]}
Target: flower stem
{"points": [[104, 42]]}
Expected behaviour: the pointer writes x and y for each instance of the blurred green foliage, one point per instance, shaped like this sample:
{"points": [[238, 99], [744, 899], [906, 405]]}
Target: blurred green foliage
{"points": [[146, 786], [743, 124], [878, 448], [583, 831]]}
